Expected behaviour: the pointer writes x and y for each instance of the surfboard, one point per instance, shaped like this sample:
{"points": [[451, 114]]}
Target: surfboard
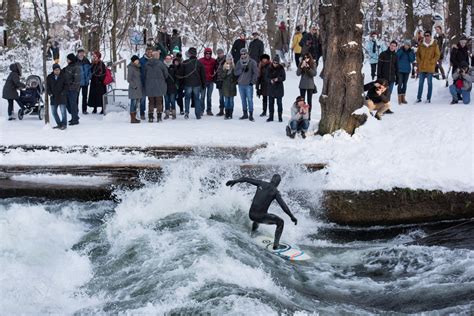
{"points": [[287, 252]]}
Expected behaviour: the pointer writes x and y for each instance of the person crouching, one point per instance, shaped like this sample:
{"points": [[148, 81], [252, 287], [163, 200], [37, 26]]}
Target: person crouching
{"points": [[377, 98], [462, 84], [57, 89], [299, 121]]}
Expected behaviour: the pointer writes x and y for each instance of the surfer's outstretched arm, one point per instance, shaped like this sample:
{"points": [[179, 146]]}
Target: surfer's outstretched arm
{"points": [[243, 179], [285, 208]]}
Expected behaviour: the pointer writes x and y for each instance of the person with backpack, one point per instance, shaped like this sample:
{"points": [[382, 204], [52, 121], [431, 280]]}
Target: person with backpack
{"points": [[10, 89], [97, 87], [275, 77], [462, 84], [135, 88], [72, 75], [57, 90]]}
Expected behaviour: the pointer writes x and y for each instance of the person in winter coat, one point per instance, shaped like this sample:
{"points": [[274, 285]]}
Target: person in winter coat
{"points": [[440, 39], [311, 43], [262, 83], [164, 39], [171, 90], [135, 87], [193, 74], [247, 72], [299, 121], [72, 75], [427, 57], [155, 86], [387, 67], [406, 57], [376, 98], [462, 84], [220, 60], [374, 47], [275, 77], [57, 90], [97, 88], [307, 71], [256, 47], [85, 66], [179, 83], [237, 47], [143, 60], [282, 42], [175, 41], [209, 64], [229, 85], [12, 84], [295, 44], [415, 43], [459, 54]]}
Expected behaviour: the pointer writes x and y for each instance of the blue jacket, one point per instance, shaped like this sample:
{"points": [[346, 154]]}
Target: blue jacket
{"points": [[86, 74], [379, 47], [143, 61], [405, 59]]}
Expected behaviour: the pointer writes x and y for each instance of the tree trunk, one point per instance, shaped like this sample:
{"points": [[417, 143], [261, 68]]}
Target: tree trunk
{"points": [[409, 19], [454, 18], [69, 14], [341, 35], [113, 31], [378, 19], [270, 18], [85, 16], [464, 16], [12, 13]]}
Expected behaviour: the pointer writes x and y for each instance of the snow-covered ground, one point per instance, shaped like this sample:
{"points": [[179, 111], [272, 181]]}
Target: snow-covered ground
{"points": [[427, 146]]}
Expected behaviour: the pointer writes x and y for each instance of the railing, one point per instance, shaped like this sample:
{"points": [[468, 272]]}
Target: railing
{"points": [[116, 100], [119, 65]]}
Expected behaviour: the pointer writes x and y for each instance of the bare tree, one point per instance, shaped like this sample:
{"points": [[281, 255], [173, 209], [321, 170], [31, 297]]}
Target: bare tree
{"points": [[454, 21], [341, 34], [409, 19]]}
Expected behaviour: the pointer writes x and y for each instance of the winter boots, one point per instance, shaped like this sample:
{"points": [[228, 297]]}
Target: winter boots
{"points": [[401, 99], [167, 115], [251, 116], [227, 114], [270, 117], [142, 116], [264, 113], [245, 116], [280, 117], [173, 114], [221, 112], [150, 117], [133, 118], [158, 119]]}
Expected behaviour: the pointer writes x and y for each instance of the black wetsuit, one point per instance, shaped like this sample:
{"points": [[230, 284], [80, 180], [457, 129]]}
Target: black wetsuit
{"points": [[266, 193]]}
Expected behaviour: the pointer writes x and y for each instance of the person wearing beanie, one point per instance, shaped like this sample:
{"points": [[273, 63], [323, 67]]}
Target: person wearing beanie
{"points": [[247, 72], [237, 46], [210, 70], [72, 76], [275, 77], [262, 83], [97, 86], [406, 57], [282, 43], [135, 87], [427, 56], [256, 47], [225, 73], [220, 60], [57, 91], [175, 41], [85, 67]]}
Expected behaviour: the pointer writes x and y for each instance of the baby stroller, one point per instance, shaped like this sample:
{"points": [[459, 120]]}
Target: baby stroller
{"points": [[31, 98]]}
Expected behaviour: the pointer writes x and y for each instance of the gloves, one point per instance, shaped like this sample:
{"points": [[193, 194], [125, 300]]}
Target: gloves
{"points": [[230, 183], [294, 220]]}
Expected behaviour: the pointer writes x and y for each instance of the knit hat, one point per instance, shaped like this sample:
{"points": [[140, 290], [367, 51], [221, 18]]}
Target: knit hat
{"points": [[220, 51], [175, 50], [244, 51], [264, 56], [463, 65], [72, 58], [80, 50], [175, 31], [56, 66], [255, 33], [192, 52], [229, 57], [207, 50], [276, 59], [407, 42], [135, 57]]}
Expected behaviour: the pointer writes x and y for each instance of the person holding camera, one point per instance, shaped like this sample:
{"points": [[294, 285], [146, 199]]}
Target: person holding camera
{"points": [[307, 71], [462, 84], [377, 98], [299, 121]]}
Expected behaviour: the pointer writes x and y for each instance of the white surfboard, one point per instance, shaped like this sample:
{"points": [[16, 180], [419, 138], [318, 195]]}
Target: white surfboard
{"points": [[288, 252]]}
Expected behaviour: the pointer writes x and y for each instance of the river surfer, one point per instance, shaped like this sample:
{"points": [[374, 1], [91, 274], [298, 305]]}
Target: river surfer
{"points": [[266, 193]]}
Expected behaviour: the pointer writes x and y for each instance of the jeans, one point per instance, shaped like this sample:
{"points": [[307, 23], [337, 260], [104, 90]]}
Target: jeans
{"points": [[402, 82], [72, 105], [143, 105], [170, 101], [301, 125], [10, 106], [391, 84], [422, 77], [207, 93], [133, 105], [62, 108], [221, 99], [272, 105], [282, 56], [84, 91], [195, 93], [179, 99], [246, 95], [229, 103], [466, 95]]}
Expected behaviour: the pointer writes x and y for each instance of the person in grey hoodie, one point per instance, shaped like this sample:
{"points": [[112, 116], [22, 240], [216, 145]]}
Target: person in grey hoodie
{"points": [[247, 72], [135, 89]]}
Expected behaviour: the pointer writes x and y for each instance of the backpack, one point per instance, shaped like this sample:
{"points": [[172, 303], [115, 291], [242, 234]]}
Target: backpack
{"points": [[108, 79]]}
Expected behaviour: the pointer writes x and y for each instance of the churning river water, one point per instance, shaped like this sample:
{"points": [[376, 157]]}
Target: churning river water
{"points": [[182, 246]]}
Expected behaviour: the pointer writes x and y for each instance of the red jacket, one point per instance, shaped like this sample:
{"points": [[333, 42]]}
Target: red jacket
{"points": [[210, 67]]}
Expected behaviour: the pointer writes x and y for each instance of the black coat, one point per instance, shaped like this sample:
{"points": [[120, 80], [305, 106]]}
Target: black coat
{"points": [[72, 75], [97, 87], [13, 83], [256, 49], [236, 47], [171, 82], [262, 82], [373, 95], [276, 89], [192, 73], [57, 88], [311, 43], [387, 67], [458, 55]]}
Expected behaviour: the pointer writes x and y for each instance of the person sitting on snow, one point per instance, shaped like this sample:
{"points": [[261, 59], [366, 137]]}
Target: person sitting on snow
{"points": [[299, 121], [377, 98], [462, 84]]}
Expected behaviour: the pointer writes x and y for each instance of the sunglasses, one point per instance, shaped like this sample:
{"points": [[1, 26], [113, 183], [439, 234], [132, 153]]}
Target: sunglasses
{"points": [[427, 35]]}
